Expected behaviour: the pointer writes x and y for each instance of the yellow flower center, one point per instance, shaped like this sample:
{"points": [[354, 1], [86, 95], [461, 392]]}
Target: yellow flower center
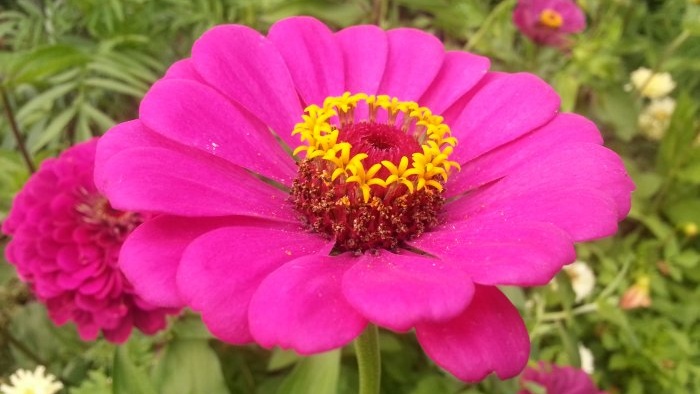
{"points": [[551, 18], [375, 182]]}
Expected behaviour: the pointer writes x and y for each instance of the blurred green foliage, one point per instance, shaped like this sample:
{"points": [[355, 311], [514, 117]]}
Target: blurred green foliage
{"points": [[73, 68]]}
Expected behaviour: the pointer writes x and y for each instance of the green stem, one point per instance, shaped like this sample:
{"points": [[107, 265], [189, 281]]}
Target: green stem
{"points": [[380, 8], [15, 130], [486, 24], [369, 360]]}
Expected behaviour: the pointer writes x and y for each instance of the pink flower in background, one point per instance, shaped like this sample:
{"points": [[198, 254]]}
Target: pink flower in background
{"points": [[549, 22], [65, 243], [556, 379], [393, 215]]}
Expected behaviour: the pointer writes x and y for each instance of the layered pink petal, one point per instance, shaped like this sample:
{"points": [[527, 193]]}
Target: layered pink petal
{"points": [[489, 336], [397, 291], [312, 55], [247, 67], [188, 183], [222, 269], [564, 130], [197, 115], [503, 108], [151, 255], [123, 136], [301, 306], [581, 188], [365, 50], [460, 72], [183, 69], [500, 251], [414, 59]]}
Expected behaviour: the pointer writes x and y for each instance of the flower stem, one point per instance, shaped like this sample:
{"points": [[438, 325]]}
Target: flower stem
{"points": [[379, 11], [369, 360], [15, 130]]}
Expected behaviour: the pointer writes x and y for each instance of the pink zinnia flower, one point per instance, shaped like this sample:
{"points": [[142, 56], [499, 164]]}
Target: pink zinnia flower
{"points": [[556, 379], [549, 22], [366, 227], [65, 243]]}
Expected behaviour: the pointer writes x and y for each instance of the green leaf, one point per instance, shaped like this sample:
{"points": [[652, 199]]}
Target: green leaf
{"points": [[97, 383], [690, 173], [102, 120], [315, 374], [190, 326], [127, 378], [434, 384], [44, 100], [54, 128], [616, 107], [281, 359], [114, 86], [39, 64], [685, 211], [567, 86], [190, 366]]}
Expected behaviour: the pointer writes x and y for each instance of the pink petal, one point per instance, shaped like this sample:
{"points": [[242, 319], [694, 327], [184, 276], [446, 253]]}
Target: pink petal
{"points": [[582, 188], [489, 336], [247, 67], [312, 56], [564, 129], [460, 72], [505, 107], [221, 270], [365, 49], [183, 69], [123, 136], [151, 255], [397, 291], [188, 184], [301, 306], [414, 60], [500, 251], [197, 115]]}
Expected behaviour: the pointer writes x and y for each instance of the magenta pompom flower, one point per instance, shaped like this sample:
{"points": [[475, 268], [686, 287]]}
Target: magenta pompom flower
{"points": [[65, 243], [555, 379], [549, 22], [421, 182]]}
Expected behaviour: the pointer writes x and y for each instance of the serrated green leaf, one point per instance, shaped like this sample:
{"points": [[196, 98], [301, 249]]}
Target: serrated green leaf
{"points": [[190, 366], [315, 374], [127, 378]]}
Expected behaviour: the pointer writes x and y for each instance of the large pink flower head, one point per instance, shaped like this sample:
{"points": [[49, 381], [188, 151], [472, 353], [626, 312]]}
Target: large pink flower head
{"points": [[549, 22], [555, 379], [65, 243], [418, 182]]}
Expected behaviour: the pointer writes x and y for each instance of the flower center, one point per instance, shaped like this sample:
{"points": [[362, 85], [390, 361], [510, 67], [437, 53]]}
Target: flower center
{"points": [[551, 19], [96, 211], [356, 183]]}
